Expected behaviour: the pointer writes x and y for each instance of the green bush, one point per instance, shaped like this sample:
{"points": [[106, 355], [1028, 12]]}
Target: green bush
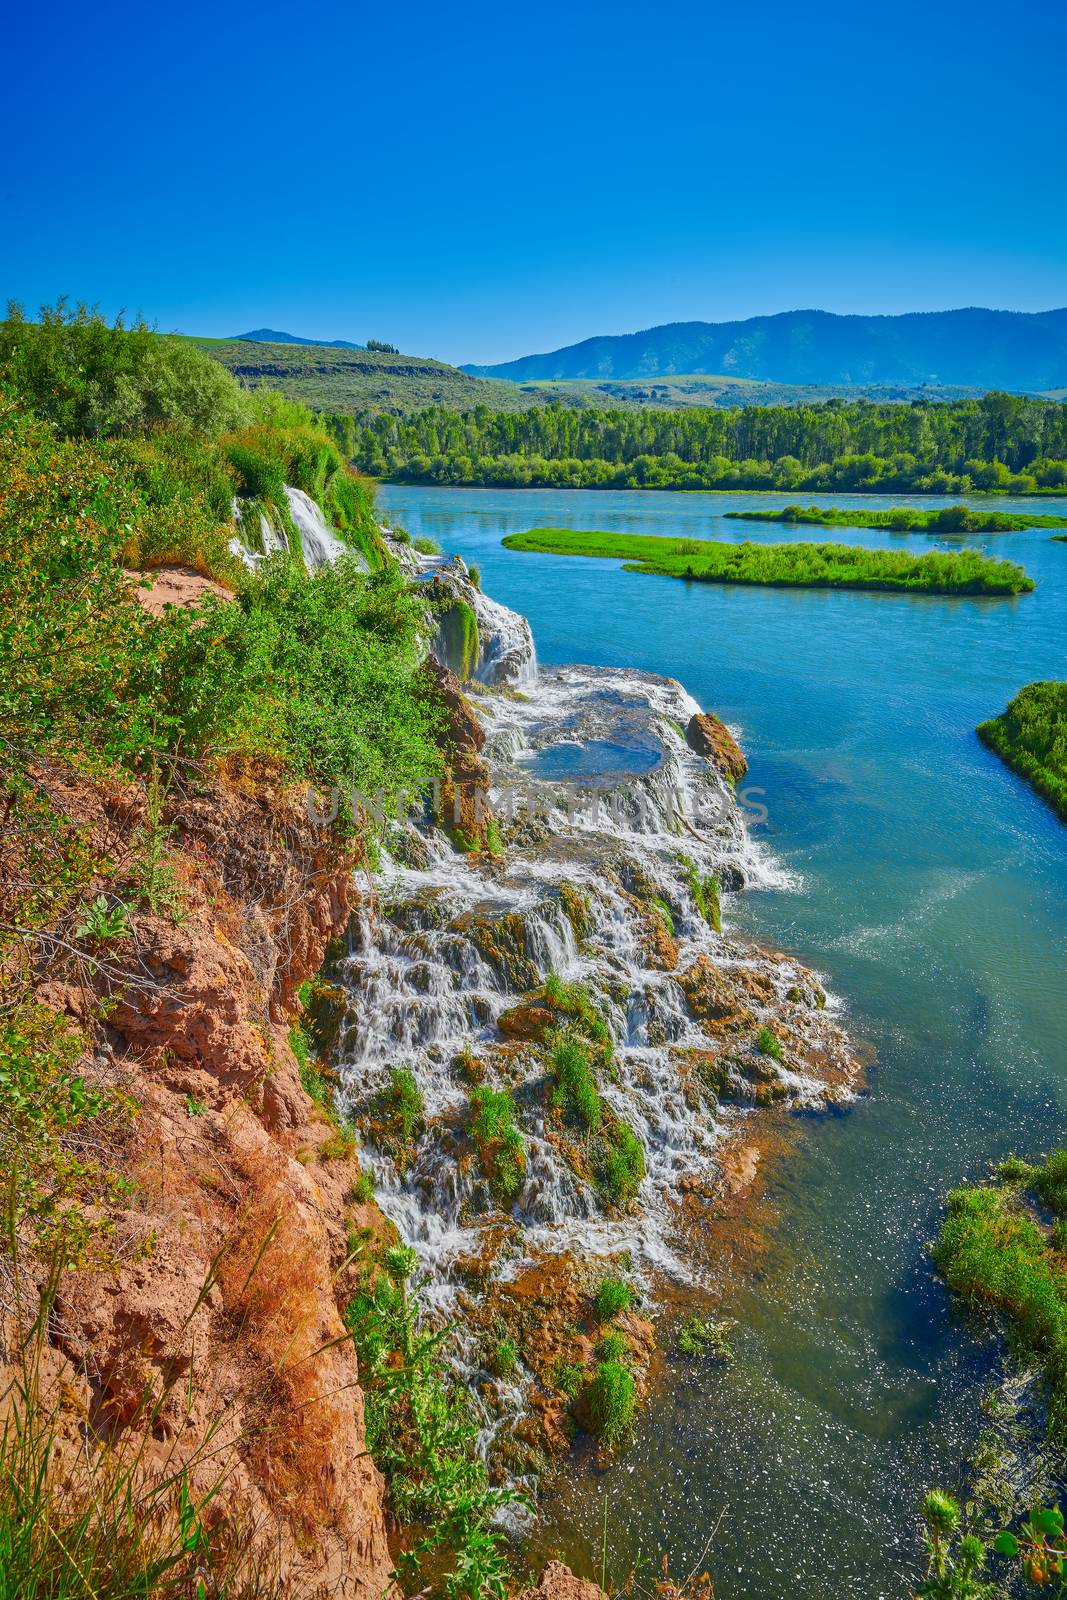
{"points": [[567, 1377], [422, 1435], [619, 1166], [98, 381], [613, 1295], [612, 1400], [401, 1100], [504, 1358], [575, 1001], [500, 1145], [575, 1090], [319, 674], [768, 1043], [992, 1249], [1031, 737], [613, 1346], [705, 890]]}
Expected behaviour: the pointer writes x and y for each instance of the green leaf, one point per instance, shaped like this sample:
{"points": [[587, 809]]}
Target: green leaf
{"points": [[1049, 1522], [1006, 1544]]}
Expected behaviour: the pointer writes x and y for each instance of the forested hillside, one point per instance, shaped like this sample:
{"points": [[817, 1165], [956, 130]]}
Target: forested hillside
{"points": [[340, 377], [999, 443], [990, 349]]}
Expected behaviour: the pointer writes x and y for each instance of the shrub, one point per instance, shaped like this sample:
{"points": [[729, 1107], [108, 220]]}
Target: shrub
{"points": [[1031, 737], [423, 1438], [768, 1044], [363, 1188], [96, 380], [613, 1346], [500, 1145], [612, 1296], [504, 1358], [567, 1377], [575, 1090], [697, 1336], [575, 1001], [402, 1103], [705, 890], [612, 1400], [992, 1250], [1050, 1181], [620, 1166], [317, 673]]}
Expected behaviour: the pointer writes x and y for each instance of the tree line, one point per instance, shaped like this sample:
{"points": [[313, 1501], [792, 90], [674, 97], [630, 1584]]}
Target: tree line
{"points": [[1000, 443]]}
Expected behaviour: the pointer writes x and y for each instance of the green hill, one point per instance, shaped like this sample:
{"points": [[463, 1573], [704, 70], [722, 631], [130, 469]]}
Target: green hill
{"points": [[342, 379]]}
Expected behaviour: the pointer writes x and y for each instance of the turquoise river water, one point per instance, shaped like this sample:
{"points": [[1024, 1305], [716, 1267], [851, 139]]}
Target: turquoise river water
{"points": [[932, 893]]}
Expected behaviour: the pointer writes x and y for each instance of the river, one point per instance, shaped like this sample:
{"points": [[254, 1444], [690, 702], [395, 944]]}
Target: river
{"points": [[930, 887]]}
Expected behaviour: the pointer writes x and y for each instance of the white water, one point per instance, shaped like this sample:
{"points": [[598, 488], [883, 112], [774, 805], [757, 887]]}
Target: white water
{"points": [[319, 543], [267, 535], [422, 986]]}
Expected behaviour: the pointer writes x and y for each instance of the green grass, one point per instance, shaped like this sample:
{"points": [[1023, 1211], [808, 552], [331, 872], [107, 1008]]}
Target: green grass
{"points": [[575, 1091], [1031, 737], [612, 1400], [800, 565], [613, 1295], [705, 889], [768, 1043], [995, 1250], [906, 519], [499, 1142]]}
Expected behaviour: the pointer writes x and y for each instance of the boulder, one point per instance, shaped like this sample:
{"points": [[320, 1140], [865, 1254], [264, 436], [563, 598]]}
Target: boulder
{"points": [[713, 740]]}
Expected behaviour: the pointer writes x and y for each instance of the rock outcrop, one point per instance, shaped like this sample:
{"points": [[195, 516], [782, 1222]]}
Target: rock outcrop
{"points": [[713, 740], [464, 787], [558, 1582], [218, 1318]]}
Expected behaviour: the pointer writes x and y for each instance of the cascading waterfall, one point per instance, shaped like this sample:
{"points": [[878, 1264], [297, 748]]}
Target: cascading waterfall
{"points": [[260, 536], [318, 542], [611, 823], [456, 941]]}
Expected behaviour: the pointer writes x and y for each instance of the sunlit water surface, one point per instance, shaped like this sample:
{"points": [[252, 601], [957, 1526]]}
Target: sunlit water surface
{"points": [[932, 893]]}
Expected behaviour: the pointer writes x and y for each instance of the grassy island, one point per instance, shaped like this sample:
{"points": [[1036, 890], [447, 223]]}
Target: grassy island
{"points": [[808, 566], [1031, 736], [905, 519], [1003, 1246]]}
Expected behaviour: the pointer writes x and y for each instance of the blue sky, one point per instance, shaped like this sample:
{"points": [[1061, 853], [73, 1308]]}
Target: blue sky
{"points": [[480, 181]]}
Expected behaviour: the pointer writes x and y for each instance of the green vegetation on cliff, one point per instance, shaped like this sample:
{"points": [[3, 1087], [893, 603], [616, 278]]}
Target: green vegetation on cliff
{"points": [[179, 436], [801, 565], [906, 519], [422, 1434], [1031, 737], [313, 678], [997, 444]]}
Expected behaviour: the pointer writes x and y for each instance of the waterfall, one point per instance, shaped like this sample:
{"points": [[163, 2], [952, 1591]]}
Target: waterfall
{"points": [[255, 543], [506, 646], [454, 942], [319, 543]]}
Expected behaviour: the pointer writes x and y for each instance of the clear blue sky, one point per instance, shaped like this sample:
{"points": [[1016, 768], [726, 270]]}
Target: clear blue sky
{"points": [[480, 181]]}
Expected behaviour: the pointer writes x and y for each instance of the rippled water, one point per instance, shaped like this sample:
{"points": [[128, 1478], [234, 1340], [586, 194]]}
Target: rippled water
{"points": [[932, 891]]}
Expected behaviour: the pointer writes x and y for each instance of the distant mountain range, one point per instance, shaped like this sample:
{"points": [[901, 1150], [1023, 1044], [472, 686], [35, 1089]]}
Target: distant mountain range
{"points": [[272, 336], [972, 347]]}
